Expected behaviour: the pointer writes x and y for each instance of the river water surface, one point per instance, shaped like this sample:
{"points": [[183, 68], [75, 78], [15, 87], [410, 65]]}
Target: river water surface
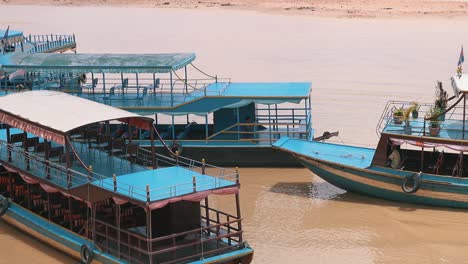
{"points": [[291, 215]]}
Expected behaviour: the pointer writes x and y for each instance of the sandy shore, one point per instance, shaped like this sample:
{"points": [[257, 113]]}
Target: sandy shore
{"points": [[320, 8]]}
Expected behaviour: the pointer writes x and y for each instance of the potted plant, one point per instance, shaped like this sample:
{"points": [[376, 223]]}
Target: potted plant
{"points": [[415, 109], [398, 115], [434, 128], [441, 100]]}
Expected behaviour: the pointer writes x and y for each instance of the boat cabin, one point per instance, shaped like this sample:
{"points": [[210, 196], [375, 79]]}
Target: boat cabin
{"points": [[60, 164]]}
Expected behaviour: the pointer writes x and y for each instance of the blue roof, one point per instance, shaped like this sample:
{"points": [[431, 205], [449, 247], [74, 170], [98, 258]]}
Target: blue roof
{"points": [[107, 63], [11, 33], [163, 182], [347, 155], [277, 90]]}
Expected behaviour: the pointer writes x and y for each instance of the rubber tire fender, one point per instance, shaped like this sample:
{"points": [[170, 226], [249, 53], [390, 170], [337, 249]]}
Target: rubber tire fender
{"points": [[86, 254], [416, 178], [4, 204]]}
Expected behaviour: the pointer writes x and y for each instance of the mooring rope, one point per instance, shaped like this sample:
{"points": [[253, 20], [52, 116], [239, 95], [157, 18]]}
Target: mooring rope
{"points": [[214, 77]]}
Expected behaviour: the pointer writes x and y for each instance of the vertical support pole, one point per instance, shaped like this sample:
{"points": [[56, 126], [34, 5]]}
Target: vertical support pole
{"points": [[206, 126], [172, 90], [137, 85], [92, 82], [173, 128], [8, 132], [117, 219], [104, 83], [67, 147], [186, 86], [203, 166], [207, 213], [154, 83], [114, 179], [194, 182], [148, 198], [238, 205], [25, 149], [464, 115], [153, 149], [149, 230], [122, 82], [46, 157], [90, 171], [276, 116], [238, 123], [269, 123]]}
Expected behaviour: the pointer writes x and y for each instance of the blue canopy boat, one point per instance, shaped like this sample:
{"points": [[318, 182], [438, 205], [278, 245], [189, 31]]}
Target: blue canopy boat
{"points": [[205, 116], [16, 41], [107, 200], [433, 165]]}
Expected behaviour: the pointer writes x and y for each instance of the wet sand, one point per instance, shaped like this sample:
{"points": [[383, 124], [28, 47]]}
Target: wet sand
{"points": [[291, 215], [316, 8]]}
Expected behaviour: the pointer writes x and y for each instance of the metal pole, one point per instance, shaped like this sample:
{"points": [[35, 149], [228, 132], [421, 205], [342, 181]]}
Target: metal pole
{"points": [[153, 150], [172, 90], [464, 114], [206, 126], [173, 128], [269, 122], [238, 123], [118, 229], [104, 83], [186, 87]]}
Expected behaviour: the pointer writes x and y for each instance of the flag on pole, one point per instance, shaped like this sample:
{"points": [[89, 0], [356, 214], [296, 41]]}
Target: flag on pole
{"points": [[462, 58]]}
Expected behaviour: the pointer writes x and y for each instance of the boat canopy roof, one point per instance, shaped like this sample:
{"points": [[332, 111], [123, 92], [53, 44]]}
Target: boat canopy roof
{"points": [[13, 35], [52, 115], [460, 84], [97, 63]]}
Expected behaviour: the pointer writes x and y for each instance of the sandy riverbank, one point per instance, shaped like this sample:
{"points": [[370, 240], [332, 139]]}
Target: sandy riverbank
{"points": [[319, 8]]}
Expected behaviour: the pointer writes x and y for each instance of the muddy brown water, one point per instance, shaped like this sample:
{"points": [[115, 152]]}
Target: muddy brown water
{"points": [[291, 215]]}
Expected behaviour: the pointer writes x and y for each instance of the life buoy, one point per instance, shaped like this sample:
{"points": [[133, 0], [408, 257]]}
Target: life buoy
{"points": [[414, 179], [86, 254], [4, 204]]}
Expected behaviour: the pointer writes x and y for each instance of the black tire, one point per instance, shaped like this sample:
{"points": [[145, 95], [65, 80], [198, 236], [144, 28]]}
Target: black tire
{"points": [[86, 254], [4, 204], [414, 179]]}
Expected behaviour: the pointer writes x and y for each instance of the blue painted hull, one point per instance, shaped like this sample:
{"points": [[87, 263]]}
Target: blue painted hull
{"points": [[386, 185], [70, 243]]}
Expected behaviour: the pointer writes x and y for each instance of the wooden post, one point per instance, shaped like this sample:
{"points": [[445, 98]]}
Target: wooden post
{"points": [[237, 176], [153, 149], [239, 216], [90, 170], [194, 181], [114, 178], [47, 150], [67, 156], [148, 199], [8, 142], [207, 213], [203, 166], [25, 149], [118, 229]]}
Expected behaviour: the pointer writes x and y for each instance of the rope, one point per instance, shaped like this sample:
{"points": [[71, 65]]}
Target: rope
{"points": [[214, 77], [164, 143], [182, 80]]}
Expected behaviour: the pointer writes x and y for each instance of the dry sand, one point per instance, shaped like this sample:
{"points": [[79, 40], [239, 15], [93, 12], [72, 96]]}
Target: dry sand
{"points": [[320, 8]]}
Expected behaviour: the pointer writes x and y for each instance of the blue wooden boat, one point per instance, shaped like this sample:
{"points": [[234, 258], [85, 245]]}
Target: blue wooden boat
{"points": [[107, 200], [15, 42], [433, 165], [224, 122]]}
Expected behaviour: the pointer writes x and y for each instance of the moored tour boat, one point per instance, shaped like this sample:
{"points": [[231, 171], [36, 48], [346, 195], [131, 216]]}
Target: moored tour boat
{"points": [[432, 165], [107, 200]]}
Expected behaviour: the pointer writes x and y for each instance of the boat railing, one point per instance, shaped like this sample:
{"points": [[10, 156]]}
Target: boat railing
{"points": [[416, 125], [49, 43], [218, 232], [57, 174]]}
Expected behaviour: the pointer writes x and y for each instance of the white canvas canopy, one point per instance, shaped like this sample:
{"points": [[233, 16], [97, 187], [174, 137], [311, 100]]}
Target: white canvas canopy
{"points": [[52, 115], [460, 84]]}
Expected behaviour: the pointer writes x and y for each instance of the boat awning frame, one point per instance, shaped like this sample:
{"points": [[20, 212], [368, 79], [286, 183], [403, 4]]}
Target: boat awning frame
{"points": [[53, 115], [96, 63]]}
